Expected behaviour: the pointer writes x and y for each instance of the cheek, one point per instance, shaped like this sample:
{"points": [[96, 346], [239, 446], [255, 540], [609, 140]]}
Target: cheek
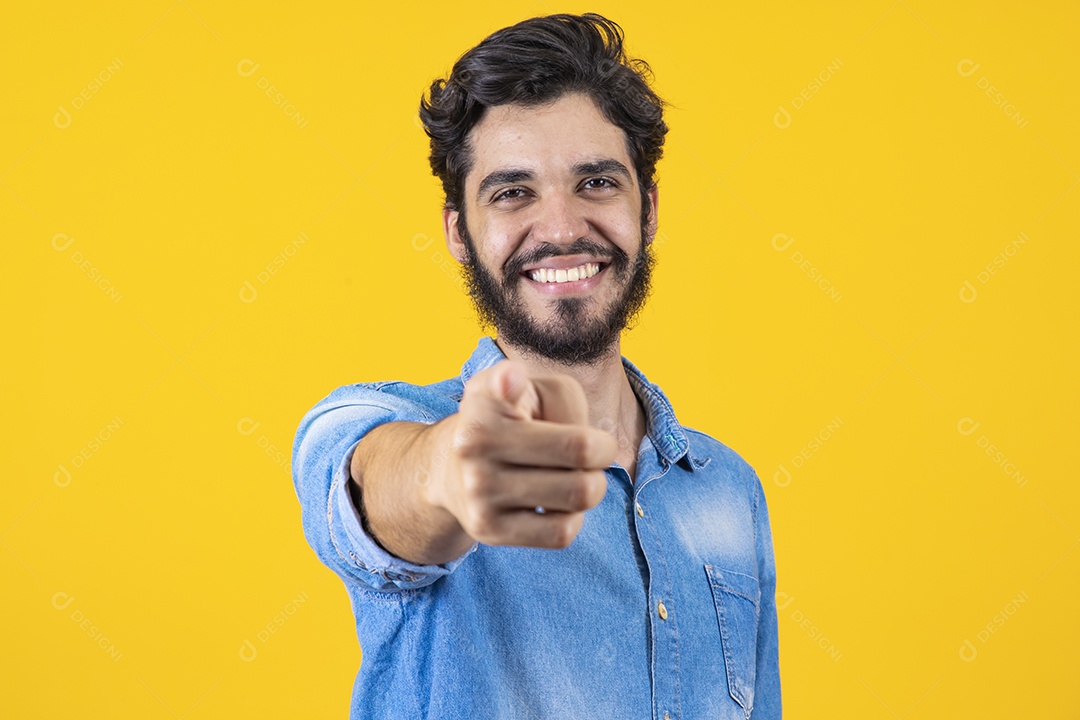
{"points": [[498, 239], [622, 228]]}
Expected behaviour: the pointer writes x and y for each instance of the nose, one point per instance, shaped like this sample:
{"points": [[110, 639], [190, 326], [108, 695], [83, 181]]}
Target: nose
{"points": [[560, 219]]}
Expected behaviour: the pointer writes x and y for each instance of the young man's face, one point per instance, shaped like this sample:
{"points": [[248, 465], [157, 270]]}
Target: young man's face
{"points": [[553, 188]]}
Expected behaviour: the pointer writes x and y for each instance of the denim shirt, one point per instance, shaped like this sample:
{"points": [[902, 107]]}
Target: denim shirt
{"points": [[663, 607]]}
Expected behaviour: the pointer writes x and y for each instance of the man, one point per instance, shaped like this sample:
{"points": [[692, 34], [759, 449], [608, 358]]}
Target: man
{"points": [[540, 537]]}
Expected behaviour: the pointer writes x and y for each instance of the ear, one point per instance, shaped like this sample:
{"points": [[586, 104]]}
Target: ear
{"points": [[454, 242], [652, 221]]}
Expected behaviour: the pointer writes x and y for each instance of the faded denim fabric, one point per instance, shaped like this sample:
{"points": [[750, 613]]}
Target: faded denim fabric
{"points": [[513, 633]]}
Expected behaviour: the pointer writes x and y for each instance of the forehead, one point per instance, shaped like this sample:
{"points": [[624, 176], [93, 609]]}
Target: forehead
{"points": [[544, 138]]}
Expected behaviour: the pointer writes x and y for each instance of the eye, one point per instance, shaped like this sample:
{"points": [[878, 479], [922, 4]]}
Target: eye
{"points": [[509, 194], [599, 183]]}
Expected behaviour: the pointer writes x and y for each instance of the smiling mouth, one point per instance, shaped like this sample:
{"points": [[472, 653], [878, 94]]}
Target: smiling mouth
{"points": [[569, 275]]}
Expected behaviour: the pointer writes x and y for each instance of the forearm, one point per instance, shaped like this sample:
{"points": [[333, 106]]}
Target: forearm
{"points": [[390, 474]]}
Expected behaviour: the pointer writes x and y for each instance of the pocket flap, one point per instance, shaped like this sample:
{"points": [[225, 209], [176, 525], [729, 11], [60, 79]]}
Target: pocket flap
{"points": [[736, 583]]}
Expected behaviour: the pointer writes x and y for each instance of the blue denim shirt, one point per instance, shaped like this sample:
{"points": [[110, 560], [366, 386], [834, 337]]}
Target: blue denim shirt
{"points": [[663, 607]]}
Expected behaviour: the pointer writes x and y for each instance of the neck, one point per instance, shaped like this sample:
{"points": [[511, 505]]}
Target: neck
{"points": [[613, 405]]}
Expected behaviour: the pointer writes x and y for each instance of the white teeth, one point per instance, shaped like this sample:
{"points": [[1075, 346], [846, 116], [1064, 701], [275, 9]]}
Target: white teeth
{"points": [[582, 272]]}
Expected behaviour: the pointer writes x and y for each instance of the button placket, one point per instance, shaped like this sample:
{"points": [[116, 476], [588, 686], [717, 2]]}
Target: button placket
{"points": [[664, 663]]}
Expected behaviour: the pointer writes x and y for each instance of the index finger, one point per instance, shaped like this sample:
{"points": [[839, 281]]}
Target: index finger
{"points": [[556, 398], [562, 400]]}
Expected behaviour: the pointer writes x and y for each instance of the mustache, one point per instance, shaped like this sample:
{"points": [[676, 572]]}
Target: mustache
{"points": [[582, 246]]}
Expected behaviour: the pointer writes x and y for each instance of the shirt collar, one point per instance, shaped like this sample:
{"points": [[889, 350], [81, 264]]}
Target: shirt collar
{"points": [[486, 354], [664, 430]]}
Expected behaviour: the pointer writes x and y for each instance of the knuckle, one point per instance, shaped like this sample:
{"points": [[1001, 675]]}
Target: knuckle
{"points": [[578, 448], [596, 482], [563, 531], [471, 440], [479, 521], [581, 491], [476, 484], [574, 493]]}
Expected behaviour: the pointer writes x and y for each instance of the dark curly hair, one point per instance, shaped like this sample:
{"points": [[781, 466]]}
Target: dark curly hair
{"points": [[538, 61]]}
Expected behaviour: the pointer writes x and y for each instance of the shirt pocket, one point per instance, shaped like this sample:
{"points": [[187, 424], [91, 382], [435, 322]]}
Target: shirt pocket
{"points": [[737, 598]]}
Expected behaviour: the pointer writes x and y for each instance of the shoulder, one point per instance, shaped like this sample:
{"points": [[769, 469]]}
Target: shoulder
{"points": [[722, 465], [432, 401], [715, 455]]}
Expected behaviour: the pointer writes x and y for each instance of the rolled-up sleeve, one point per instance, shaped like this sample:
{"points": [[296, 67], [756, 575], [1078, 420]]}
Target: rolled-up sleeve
{"points": [[322, 456]]}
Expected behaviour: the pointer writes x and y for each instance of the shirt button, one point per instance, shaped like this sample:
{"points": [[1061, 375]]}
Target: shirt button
{"points": [[667, 717], [640, 512], [661, 610]]}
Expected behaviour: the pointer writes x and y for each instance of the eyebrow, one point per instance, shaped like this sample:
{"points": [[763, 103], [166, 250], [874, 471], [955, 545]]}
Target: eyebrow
{"points": [[516, 175], [500, 177], [600, 167]]}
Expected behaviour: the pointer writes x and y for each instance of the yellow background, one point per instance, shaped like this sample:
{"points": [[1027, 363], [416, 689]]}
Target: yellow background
{"points": [[153, 379]]}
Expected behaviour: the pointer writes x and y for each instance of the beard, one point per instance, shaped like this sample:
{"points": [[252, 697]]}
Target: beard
{"points": [[577, 334]]}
